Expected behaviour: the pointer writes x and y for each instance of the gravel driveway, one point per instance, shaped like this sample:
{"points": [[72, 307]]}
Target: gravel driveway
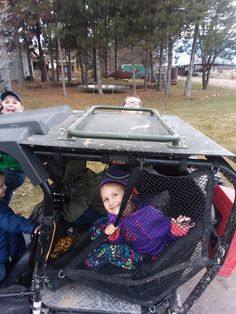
{"points": [[218, 298]]}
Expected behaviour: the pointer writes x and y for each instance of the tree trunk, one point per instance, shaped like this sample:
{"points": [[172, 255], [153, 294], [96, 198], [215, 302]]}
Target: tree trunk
{"points": [[30, 66], [41, 57], [70, 65], [19, 64], [187, 88], [204, 81], [151, 66], [69, 75], [203, 75], [159, 77], [57, 62], [134, 79], [98, 72], [31, 74], [116, 57], [81, 64], [4, 62], [169, 66], [106, 64], [53, 76], [62, 68], [205, 66], [86, 72], [146, 71], [94, 66], [206, 76]]}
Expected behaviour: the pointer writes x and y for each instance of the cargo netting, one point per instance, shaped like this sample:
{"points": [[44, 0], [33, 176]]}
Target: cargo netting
{"points": [[168, 253]]}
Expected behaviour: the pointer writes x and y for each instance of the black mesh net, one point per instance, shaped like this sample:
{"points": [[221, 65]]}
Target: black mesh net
{"points": [[161, 241]]}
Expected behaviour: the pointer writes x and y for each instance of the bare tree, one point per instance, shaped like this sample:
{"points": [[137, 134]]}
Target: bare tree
{"points": [[187, 87]]}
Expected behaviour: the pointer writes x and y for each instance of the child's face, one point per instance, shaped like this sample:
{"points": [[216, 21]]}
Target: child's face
{"points": [[11, 104], [133, 102], [2, 186], [112, 195]]}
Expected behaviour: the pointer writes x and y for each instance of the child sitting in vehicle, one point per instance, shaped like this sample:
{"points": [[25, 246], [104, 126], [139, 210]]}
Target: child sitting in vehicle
{"points": [[140, 231], [12, 243], [11, 102]]}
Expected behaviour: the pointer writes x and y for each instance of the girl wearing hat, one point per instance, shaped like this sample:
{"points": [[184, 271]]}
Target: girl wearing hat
{"points": [[140, 231]]}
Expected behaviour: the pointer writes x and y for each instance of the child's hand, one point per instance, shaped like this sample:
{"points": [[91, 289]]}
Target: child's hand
{"points": [[112, 232], [181, 225], [110, 229]]}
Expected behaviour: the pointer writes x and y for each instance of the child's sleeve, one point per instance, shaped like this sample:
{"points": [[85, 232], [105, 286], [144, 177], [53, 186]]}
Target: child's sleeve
{"points": [[98, 228], [178, 231], [116, 236], [13, 223]]}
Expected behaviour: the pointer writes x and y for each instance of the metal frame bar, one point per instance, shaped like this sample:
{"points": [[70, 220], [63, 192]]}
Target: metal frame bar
{"points": [[173, 136]]}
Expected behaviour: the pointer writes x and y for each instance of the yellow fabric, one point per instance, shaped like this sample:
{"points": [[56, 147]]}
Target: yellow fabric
{"points": [[62, 246]]}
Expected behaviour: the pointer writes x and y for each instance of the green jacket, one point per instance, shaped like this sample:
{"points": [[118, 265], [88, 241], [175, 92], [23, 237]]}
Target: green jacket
{"points": [[84, 194], [8, 162]]}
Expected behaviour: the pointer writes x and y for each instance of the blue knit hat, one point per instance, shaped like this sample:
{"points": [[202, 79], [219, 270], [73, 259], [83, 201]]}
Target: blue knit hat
{"points": [[115, 174], [10, 93]]}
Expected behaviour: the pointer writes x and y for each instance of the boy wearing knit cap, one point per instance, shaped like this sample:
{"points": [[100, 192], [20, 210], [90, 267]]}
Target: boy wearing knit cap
{"points": [[140, 231], [11, 103]]}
